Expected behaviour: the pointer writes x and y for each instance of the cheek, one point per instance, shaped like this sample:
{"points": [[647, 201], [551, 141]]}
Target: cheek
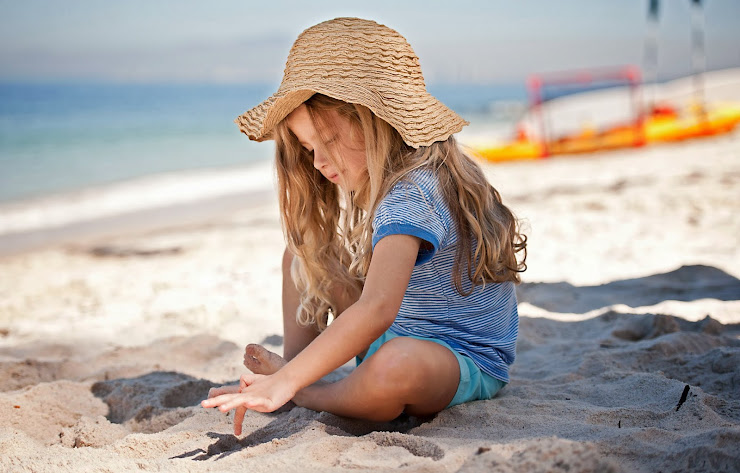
{"points": [[354, 164], [358, 172], [357, 162]]}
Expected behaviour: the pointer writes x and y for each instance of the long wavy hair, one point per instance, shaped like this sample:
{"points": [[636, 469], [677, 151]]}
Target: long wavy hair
{"points": [[329, 230]]}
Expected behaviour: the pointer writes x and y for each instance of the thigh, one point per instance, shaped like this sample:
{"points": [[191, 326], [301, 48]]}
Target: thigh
{"points": [[425, 374]]}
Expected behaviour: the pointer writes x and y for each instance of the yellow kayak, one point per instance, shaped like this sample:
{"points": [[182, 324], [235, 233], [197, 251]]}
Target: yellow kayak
{"points": [[655, 128]]}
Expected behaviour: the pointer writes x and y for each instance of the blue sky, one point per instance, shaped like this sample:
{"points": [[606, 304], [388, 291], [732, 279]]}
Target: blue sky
{"points": [[246, 41]]}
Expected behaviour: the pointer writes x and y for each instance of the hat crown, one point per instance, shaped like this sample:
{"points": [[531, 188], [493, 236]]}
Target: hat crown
{"points": [[361, 62], [352, 49]]}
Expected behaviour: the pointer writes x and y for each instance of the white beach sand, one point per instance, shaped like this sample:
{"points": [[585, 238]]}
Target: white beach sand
{"points": [[631, 298]]}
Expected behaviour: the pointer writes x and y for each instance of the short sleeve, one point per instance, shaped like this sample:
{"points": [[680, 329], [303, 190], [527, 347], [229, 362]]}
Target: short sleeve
{"points": [[411, 208]]}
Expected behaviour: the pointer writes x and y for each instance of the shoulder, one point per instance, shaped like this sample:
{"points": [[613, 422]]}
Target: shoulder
{"points": [[420, 186], [414, 206], [424, 179]]}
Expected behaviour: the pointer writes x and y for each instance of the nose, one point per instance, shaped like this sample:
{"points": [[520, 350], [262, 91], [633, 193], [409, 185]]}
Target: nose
{"points": [[319, 159]]}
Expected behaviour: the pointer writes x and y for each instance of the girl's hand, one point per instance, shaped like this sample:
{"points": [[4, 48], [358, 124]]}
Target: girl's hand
{"points": [[255, 391]]}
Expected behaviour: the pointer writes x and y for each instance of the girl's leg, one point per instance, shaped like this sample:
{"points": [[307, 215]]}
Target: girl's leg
{"points": [[405, 375], [295, 337]]}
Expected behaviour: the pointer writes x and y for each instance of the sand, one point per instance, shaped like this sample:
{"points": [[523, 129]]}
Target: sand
{"points": [[627, 359]]}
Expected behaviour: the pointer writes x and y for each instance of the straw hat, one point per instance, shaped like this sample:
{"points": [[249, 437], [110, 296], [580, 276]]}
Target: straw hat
{"points": [[357, 61]]}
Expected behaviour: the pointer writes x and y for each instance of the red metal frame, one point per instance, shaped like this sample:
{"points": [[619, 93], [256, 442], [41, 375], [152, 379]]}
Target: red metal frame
{"points": [[630, 74]]}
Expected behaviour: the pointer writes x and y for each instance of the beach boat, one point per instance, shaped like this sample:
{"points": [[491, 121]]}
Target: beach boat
{"points": [[660, 126]]}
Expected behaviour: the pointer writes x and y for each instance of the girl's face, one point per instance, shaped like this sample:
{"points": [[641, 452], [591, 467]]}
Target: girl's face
{"points": [[351, 170]]}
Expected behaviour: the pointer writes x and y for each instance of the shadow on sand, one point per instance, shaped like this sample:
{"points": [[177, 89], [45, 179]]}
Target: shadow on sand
{"points": [[688, 283], [299, 420]]}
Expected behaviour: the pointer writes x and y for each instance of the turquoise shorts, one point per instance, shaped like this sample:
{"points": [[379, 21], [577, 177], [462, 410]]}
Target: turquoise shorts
{"points": [[474, 383]]}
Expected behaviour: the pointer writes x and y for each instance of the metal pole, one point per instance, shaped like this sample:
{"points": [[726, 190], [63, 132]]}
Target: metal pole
{"points": [[698, 58], [650, 54]]}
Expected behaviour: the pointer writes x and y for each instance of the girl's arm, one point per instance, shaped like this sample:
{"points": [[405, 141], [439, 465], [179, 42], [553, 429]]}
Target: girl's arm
{"points": [[362, 323]]}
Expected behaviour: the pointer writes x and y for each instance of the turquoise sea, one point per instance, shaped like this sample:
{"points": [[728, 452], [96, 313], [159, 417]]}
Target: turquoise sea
{"points": [[56, 138]]}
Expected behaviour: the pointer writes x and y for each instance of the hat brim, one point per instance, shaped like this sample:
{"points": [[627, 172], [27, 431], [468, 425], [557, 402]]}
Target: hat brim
{"points": [[418, 112]]}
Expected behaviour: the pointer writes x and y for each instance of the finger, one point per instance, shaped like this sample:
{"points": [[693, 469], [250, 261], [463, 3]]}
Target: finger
{"points": [[238, 400], [218, 400], [239, 419], [247, 401], [230, 389]]}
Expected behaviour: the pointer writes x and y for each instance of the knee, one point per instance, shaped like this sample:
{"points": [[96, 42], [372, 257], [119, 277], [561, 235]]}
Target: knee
{"points": [[394, 366], [287, 262]]}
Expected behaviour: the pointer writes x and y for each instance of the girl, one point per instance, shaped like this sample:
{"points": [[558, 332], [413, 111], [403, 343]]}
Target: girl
{"points": [[391, 230]]}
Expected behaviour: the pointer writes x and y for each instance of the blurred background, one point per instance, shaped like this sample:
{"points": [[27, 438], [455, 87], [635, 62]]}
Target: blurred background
{"points": [[93, 93]]}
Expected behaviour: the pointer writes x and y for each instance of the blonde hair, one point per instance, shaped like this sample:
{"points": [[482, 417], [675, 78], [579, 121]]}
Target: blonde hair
{"points": [[329, 231]]}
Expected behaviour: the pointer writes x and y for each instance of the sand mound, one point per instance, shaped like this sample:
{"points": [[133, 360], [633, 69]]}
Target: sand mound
{"points": [[92, 432], [152, 402]]}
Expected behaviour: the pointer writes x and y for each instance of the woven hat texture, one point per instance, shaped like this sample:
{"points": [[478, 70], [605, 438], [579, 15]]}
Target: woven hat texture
{"points": [[357, 61]]}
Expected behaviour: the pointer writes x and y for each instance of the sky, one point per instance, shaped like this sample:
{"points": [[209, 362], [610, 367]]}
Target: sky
{"points": [[458, 41]]}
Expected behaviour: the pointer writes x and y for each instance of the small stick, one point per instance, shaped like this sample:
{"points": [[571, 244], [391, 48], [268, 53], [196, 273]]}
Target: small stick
{"points": [[684, 395]]}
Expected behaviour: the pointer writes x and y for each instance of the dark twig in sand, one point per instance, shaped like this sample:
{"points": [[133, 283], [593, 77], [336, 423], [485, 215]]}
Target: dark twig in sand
{"points": [[684, 395]]}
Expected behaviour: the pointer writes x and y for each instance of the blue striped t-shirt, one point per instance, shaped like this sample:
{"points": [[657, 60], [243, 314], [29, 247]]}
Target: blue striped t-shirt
{"points": [[482, 325]]}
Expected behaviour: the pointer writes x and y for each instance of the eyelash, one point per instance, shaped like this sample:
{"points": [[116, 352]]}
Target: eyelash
{"points": [[330, 141]]}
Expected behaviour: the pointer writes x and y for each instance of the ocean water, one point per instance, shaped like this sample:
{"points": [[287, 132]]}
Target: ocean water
{"points": [[61, 137], [76, 152]]}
